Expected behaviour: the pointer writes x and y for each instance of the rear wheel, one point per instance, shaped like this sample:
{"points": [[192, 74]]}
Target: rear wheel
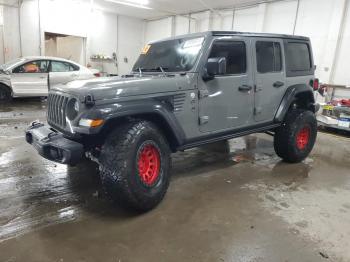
{"points": [[135, 165], [5, 94], [296, 137]]}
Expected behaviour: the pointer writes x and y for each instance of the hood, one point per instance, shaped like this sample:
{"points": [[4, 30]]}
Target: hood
{"points": [[118, 87]]}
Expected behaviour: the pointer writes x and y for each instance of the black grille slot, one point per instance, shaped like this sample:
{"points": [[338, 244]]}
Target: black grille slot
{"points": [[179, 101], [56, 110]]}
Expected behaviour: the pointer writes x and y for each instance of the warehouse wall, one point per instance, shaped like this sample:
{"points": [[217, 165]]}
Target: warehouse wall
{"points": [[102, 39], [24, 33], [342, 61], [320, 20], [11, 35], [158, 29], [130, 43]]}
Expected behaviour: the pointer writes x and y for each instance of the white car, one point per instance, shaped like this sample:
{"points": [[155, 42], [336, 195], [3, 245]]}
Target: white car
{"points": [[32, 76]]}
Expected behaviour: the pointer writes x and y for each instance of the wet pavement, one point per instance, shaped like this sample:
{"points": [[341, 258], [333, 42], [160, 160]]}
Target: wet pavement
{"points": [[225, 203]]}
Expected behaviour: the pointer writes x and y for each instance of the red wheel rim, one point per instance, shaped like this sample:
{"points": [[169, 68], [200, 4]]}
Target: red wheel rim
{"points": [[303, 137], [149, 164]]}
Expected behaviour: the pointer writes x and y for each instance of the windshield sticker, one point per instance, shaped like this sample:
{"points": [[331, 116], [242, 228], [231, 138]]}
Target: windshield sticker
{"points": [[193, 42], [145, 49]]}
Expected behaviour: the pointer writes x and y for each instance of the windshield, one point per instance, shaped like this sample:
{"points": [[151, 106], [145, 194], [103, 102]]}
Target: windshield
{"points": [[11, 63], [171, 56]]}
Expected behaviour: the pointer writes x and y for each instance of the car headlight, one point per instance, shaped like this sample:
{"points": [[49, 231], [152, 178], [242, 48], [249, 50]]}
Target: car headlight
{"points": [[72, 108]]}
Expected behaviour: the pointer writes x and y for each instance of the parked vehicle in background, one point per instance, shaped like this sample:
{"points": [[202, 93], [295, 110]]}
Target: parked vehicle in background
{"points": [[183, 92], [31, 76]]}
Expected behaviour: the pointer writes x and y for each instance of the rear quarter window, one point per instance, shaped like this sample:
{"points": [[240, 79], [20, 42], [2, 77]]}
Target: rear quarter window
{"points": [[298, 58]]}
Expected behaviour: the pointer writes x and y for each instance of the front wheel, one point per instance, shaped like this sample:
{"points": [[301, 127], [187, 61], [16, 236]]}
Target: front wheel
{"points": [[135, 165], [296, 137]]}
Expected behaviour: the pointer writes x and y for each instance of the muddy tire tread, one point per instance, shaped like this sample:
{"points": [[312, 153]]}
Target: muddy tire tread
{"points": [[113, 166]]}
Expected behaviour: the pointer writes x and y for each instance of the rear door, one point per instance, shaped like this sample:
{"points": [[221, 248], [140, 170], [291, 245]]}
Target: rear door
{"points": [[30, 79], [62, 72], [226, 102], [270, 83]]}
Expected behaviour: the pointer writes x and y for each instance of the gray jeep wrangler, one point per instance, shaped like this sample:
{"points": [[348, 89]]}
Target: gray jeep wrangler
{"points": [[183, 92]]}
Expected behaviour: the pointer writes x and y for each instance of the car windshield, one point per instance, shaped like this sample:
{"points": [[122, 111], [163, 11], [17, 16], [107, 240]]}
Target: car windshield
{"points": [[9, 64], [170, 56]]}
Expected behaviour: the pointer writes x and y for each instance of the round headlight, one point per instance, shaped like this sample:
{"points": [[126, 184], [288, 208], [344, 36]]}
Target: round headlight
{"points": [[72, 109]]}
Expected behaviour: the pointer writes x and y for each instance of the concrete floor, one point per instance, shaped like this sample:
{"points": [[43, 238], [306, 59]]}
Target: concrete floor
{"points": [[242, 205]]}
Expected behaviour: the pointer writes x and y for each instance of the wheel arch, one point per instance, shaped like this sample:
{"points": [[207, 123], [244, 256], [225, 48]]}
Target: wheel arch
{"points": [[162, 117], [301, 96], [3, 84]]}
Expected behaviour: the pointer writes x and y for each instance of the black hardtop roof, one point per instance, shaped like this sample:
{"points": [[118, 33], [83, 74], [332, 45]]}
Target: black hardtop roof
{"points": [[223, 33], [232, 33]]}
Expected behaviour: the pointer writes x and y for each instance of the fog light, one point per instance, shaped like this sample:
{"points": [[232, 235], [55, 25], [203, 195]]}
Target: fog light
{"points": [[90, 122]]}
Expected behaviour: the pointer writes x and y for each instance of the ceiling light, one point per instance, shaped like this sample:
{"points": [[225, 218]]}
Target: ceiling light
{"points": [[133, 3]]}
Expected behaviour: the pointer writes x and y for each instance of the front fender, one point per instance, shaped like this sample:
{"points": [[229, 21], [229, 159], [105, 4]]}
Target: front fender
{"points": [[158, 109]]}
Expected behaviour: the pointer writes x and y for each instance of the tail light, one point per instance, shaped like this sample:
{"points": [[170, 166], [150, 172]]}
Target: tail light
{"points": [[97, 74], [315, 84]]}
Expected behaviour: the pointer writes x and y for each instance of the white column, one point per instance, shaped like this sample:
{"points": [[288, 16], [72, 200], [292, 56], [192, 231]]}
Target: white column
{"points": [[340, 35]]}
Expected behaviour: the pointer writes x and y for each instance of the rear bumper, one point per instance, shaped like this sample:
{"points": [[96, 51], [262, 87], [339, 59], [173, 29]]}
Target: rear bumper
{"points": [[52, 145]]}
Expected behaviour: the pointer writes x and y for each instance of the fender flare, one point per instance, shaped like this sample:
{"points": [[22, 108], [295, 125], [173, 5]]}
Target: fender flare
{"points": [[151, 108], [291, 95]]}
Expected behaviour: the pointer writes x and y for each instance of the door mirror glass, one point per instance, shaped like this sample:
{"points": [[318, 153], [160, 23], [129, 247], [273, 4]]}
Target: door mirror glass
{"points": [[215, 66]]}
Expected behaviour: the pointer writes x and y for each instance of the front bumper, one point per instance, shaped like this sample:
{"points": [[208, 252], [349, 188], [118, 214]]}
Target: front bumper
{"points": [[53, 145]]}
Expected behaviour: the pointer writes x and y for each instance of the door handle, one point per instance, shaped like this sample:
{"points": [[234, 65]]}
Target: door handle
{"points": [[42, 77], [245, 88], [278, 84]]}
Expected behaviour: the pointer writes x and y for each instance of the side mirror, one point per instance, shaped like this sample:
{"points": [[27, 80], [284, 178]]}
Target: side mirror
{"points": [[215, 66]]}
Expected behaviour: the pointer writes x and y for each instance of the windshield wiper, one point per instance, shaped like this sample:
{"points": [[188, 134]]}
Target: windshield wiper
{"points": [[162, 69], [156, 69], [139, 69]]}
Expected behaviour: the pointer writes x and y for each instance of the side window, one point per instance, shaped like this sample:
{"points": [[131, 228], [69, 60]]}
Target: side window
{"points": [[298, 56], [235, 54], [38, 66], [73, 67], [268, 57], [58, 66]]}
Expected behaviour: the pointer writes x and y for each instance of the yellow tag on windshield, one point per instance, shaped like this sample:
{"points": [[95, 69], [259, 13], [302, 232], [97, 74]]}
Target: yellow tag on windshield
{"points": [[145, 49]]}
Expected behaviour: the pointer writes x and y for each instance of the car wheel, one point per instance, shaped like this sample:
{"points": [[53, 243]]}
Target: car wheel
{"points": [[296, 137], [5, 94], [135, 165]]}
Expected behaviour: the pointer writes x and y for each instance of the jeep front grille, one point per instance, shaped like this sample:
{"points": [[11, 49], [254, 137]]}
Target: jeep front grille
{"points": [[56, 110]]}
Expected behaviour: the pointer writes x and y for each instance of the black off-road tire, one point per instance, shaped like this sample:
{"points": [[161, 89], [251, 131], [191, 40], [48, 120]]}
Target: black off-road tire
{"points": [[119, 166], [296, 137], [5, 93]]}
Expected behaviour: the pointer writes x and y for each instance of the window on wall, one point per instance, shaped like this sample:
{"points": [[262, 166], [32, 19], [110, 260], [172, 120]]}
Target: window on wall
{"points": [[298, 56], [235, 54], [268, 56]]}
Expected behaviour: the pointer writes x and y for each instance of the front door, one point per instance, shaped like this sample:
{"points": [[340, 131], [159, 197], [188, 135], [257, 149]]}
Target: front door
{"points": [[226, 102], [270, 83], [30, 79]]}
